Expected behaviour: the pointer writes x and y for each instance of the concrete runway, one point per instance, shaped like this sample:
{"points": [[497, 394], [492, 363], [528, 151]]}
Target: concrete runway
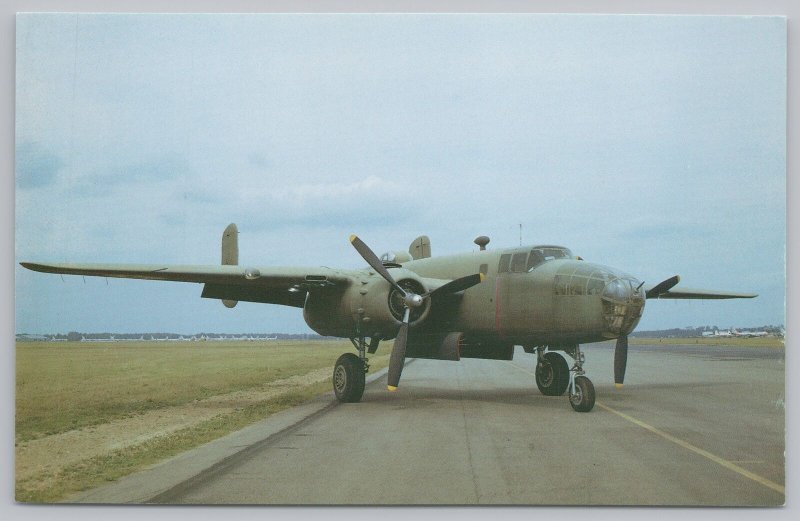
{"points": [[694, 425]]}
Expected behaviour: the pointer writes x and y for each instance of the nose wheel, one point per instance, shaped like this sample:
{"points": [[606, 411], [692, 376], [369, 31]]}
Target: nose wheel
{"points": [[581, 396], [581, 389]]}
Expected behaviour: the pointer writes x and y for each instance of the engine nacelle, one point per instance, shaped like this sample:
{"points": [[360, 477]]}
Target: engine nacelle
{"points": [[370, 306]]}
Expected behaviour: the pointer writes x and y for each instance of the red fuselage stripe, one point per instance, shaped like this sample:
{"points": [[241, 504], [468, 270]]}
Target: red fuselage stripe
{"points": [[497, 306]]}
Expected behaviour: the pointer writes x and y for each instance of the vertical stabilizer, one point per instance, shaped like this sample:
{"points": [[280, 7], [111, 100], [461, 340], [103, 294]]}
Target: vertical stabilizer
{"points": [[420, 248], [230, 253]]}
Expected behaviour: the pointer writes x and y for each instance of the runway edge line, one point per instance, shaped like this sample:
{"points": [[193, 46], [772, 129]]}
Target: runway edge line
{"points": [[686, 445], [697, 450]]}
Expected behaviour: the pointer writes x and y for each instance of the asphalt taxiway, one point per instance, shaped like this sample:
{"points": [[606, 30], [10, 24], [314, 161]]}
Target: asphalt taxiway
{"points": [[693, 425]]}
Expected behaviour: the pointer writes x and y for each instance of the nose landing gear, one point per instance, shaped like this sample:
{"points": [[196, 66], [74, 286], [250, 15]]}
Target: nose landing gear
{"points": [[581, 395], [554, 377], [581, 389]]}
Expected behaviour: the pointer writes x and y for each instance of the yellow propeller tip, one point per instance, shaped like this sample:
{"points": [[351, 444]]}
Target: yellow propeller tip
{"points": [[482, 276], [352, 238], [391, 388], [618, 386]]}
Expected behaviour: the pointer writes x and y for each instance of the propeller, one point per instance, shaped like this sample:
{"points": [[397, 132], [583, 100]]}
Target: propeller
{"points": [[456, 285], [621, 349], [410, 300], [662, 287], [620, 360]]}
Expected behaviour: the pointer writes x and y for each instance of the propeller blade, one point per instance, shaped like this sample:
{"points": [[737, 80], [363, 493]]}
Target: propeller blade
{"points": [[662, 287], [398, 356], [454, 286], [374, 262], [620, 360]]}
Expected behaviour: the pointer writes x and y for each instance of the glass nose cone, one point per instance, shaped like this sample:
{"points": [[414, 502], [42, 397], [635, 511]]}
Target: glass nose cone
{"points": [[623, 303]]}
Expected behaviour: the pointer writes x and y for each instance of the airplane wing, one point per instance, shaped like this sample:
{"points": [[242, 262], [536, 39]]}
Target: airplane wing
{"points": [[276, 285], [686, 293]]}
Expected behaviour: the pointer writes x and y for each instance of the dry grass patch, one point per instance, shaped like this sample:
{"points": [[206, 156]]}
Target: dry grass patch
{"points": [[90, 413], [69, 385]]}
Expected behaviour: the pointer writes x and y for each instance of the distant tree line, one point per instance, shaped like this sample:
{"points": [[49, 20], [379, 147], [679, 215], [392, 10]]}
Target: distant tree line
{"points": [[76, 336]]}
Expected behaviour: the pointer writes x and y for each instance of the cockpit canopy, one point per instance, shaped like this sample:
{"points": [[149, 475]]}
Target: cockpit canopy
{"points": [[525, 260], [395, 257]]}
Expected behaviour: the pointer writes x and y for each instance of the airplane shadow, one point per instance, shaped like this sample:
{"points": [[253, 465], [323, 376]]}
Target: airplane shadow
{"points": [[429, 396]]}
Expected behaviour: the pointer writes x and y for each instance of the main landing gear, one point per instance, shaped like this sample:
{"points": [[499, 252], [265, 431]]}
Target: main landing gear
{"points": [[350, 370], [554, 377]]}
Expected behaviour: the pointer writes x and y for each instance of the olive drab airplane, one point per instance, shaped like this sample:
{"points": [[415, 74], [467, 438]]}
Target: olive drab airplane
{"points": [[470, 305]]}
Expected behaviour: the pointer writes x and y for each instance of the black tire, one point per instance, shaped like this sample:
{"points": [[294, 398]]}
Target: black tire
{"points": [[552, 376], [348, 378], [583, 399]]}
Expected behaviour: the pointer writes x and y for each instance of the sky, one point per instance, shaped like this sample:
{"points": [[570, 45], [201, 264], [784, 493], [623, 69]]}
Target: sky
{"points": [[653, 144]]}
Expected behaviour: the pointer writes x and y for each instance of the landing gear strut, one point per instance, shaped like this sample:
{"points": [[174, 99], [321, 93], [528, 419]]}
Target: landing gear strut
{"points": [[581, 390], [554, 376]]}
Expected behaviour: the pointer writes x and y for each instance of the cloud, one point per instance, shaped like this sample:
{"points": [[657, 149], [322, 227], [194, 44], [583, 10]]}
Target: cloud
{"points": [[146, 175], [158, 168], [258, 160], [310, 193], [36, 166], [654, 144], [258, 204]]}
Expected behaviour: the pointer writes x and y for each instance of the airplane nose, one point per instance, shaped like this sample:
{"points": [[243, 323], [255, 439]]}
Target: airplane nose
{"points": [[623, 303]]}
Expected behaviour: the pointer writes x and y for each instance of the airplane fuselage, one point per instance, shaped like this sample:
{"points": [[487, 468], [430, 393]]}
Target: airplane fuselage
{"points": [[522, 300], [559, 301]]}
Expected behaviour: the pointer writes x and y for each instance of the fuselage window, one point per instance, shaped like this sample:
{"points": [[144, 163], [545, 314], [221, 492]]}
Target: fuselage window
{"points": [[595, 286], [560, 284], [505, 261], [577, 285], [518, 262]]}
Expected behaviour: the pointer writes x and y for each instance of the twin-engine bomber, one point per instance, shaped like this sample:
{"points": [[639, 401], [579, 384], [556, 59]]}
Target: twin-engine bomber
{"points": [[471, 305]]}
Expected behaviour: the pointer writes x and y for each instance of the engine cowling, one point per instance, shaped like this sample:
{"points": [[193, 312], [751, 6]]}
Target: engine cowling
{"points": [[370, 306]]}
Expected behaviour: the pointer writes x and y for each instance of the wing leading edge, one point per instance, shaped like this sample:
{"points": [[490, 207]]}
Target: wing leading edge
{"points": [[686, 293], [275, 285]]}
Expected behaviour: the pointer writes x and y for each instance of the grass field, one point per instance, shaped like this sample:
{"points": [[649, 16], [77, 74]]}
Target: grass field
{"points": [[69, 388]]}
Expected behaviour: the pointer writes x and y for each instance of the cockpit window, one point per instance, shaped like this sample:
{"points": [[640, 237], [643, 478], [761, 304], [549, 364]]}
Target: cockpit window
{"points": [[505, 261], [536, 257], [518, 262], [542, 254]]}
